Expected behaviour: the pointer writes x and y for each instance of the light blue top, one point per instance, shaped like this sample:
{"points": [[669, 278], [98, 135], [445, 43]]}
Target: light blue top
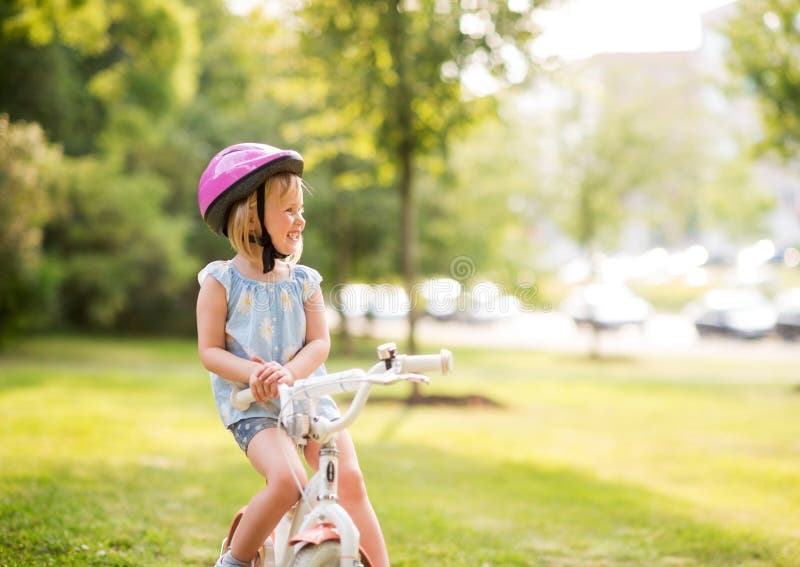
{"points": [[266, 320]]}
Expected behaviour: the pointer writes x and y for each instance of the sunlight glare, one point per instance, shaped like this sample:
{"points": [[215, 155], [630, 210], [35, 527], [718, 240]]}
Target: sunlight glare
{"points": [[582, 28]]}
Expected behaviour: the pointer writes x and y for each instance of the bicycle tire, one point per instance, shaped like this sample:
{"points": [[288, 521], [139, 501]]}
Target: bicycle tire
{"points": [[326, 554]]}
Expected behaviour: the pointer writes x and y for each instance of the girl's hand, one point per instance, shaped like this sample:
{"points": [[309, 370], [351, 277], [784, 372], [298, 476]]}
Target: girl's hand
{"points": [[265, 379], [282, 376], [259, 389]]}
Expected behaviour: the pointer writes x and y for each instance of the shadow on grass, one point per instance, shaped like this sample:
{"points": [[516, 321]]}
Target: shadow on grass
{"points": [[459, 511], [436, 508], [599, 359], [466, 400]]}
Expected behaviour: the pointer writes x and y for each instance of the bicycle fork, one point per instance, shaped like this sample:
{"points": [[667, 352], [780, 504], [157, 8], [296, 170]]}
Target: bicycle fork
{"points": [[329, 520]]}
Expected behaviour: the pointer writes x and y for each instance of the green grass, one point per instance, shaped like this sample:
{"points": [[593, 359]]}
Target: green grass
{"points": [[112, 454]]}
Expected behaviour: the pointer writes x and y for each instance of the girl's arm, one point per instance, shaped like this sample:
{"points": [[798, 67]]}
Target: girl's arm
{"points": [[318, 339], [264, 381], [212, 312]]}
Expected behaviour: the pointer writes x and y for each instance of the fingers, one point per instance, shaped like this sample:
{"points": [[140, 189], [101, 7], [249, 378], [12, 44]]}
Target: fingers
{"points": [[286, 377], [265, 379], [258, 379], [280, 375]]}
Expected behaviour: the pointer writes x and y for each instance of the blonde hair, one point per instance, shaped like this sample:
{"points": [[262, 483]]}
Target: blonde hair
{"points": [[243, 218]]}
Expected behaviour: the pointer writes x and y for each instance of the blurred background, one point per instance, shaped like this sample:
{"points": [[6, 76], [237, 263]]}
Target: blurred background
{"points": [[577, 175], [594, 204]]}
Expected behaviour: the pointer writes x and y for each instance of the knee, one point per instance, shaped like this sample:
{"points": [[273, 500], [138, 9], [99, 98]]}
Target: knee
{"points": [[284, 487], [351, 483]]}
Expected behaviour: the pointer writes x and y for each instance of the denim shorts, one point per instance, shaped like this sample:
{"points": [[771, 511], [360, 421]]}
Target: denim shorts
{"points": [[245, 429]]}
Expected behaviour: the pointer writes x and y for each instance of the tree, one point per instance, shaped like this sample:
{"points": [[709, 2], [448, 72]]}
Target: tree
{"points": [[487, 234], [28, 164], [136, 58], [121, 260], [391, 73], [109, 248], [764, 39]]}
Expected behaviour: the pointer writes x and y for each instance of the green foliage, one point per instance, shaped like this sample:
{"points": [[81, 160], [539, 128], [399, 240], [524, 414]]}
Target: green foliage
{"points": [[28, 201], [392, 72], [764, 41], [152, 60], [384, 91], [479, 212], [107, 79], [47, 85], [134, 57], [376, 96], [79, 25], [120, 256], [733, 202], [352, 233]]}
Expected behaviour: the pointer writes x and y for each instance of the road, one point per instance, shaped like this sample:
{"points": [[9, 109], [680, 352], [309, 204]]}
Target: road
{"points": [[663, 335]]}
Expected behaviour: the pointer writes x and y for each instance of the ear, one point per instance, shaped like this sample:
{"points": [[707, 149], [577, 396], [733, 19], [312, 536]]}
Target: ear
{"points": [[252, 221]]}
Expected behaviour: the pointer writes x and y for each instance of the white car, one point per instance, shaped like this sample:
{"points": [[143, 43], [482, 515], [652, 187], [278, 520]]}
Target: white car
{"points": [[354, 300], [787, 304], [442, 297], [743, 313], [606, 306], [389, 302]]}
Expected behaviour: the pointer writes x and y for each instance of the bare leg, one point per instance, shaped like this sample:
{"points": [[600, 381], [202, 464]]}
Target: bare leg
{"points": [[353, 497], [268, 505]]}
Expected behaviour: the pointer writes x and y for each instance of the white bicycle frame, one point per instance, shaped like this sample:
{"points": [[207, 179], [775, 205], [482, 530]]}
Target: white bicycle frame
{"points": [[318, 517]]}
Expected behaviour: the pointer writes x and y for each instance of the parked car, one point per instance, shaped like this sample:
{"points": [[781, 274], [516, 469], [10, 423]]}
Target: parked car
{"points": [[441, 297], [389, 302], [487, 303], [606, 306], [354, 300], [787, 304], [743, 313]]}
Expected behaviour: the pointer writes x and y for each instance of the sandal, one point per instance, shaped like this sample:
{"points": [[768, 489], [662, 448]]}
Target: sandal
{"points": [[258, 560]]}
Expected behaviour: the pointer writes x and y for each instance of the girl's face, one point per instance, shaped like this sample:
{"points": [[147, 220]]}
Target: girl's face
{"points": [[284, 218]]}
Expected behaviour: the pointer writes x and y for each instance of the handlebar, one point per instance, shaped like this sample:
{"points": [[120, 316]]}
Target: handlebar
{"points": [[392, 368], [312, 387], [420, 363]]}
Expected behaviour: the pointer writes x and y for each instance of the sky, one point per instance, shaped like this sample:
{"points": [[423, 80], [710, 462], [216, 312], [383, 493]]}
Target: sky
{"points": [[582, 28]]}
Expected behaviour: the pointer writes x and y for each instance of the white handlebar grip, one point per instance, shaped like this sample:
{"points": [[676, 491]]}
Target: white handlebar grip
{"points": [[448, 362], [241, 399], [424, 362]]}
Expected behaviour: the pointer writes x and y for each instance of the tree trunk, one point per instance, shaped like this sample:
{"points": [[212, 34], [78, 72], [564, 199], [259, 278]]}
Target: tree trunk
{"points": [[344, 256], [409, 239], [344, 262], [405, 152]]}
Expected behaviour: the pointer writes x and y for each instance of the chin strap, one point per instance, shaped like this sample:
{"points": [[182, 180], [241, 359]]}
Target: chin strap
{"points": [[268, 253]]}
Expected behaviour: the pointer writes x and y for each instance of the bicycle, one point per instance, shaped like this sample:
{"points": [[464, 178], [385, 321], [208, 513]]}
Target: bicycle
{"points": [[317, 531]]}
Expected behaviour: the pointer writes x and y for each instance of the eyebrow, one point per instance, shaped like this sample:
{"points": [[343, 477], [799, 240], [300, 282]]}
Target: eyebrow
{"points": [[292, 199]]}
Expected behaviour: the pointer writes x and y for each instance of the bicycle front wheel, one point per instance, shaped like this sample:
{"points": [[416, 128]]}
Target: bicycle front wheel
{"points": [[325, 554]]}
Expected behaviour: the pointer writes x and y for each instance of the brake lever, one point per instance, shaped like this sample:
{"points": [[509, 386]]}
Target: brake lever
{"points": [[392, 378], [417, 378]]}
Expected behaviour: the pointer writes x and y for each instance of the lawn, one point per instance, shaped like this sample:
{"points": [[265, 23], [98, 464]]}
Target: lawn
{"points": [[112, 454]]}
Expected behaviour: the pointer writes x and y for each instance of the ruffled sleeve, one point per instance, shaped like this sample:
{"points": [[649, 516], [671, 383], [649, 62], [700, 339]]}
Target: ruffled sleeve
{"points": [[309, 279], [220, 271]]}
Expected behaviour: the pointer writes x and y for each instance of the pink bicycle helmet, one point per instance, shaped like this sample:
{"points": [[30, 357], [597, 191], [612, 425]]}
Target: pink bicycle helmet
{"points": [[237, 171], [233, 174]]}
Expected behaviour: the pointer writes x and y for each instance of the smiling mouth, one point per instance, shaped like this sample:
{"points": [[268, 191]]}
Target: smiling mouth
{"points": [[294, 236]]}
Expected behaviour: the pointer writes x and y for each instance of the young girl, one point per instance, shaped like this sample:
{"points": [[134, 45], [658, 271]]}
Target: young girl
{"points": [[260, 323]]}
